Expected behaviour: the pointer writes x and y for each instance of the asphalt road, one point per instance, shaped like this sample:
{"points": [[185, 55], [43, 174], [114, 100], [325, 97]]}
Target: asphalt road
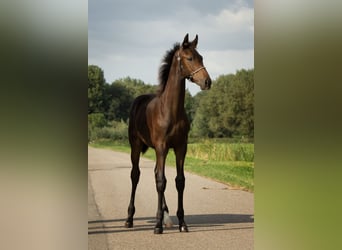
{"points": [[218, 216]]}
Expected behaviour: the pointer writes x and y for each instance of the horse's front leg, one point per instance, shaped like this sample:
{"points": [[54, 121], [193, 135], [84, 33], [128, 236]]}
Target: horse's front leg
{"points": [[161, 186], [180, 185]]}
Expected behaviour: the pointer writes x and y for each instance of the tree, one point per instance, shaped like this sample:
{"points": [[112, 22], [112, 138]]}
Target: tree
{"points": [[189, 105], [200, 125], [119, 99], [228, 108], [135, 87], [96, 90], [120, 95], [241, 103]]}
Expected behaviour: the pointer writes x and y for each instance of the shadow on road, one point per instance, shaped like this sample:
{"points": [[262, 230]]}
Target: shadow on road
{"points": [[196, 222]]}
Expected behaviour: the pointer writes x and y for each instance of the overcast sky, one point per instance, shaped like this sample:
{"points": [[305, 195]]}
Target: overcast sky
{"points": [[130, 37]]}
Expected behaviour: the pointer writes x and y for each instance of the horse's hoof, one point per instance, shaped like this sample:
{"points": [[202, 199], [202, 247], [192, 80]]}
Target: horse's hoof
{"points": [[129, 224], [158, 230], [183, 228]]}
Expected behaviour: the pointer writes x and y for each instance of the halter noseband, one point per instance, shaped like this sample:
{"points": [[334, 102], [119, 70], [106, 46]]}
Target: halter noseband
{"points": [[191, 75], [194, 72]]}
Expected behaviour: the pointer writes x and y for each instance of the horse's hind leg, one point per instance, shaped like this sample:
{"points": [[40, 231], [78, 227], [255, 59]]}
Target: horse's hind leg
{"points": [[166, 219], [135, 174]]}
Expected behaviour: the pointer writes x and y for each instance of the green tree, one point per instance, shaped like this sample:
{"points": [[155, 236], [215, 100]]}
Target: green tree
{"points": [[189, 105], [119, 100], [96, 90], [240, 104], [228, 108], [121, 94], [135, 87]]}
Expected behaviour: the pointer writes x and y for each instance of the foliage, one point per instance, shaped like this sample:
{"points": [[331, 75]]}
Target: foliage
{"points": [[115, 131], [119, 102], [228, 108], [96, 120], [96, 90], [189, 105], [121, 94]]}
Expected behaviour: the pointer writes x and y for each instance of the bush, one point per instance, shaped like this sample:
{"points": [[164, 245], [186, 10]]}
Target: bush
{"points": [[114, 131], [96, 120]]}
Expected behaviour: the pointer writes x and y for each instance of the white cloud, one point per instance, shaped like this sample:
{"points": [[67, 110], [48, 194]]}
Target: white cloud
{"points": [[235, 21], [228, 61]]}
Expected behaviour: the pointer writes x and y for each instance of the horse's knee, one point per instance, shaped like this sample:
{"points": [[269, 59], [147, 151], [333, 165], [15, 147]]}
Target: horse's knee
{"points": [[180, 182]]}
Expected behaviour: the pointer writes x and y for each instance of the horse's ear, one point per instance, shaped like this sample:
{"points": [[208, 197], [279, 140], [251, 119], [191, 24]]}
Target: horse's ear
{"points": [[185, 43], [194, 42]]}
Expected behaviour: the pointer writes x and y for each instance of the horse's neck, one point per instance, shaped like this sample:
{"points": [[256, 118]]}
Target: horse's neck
{"points": [[174, 93]]}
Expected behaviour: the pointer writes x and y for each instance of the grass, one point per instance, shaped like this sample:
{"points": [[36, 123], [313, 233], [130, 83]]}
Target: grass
{"points": [[229, 163]]}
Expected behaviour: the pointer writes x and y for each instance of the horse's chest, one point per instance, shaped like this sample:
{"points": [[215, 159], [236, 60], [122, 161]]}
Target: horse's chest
{"points": [[177, 129], [167, 127]]}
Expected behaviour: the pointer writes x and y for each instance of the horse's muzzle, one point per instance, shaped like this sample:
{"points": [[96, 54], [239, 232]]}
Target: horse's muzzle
{"points": [[207, 84]]}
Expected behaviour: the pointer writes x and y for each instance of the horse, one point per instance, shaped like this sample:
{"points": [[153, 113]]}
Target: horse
{"points": [[159, 121]]}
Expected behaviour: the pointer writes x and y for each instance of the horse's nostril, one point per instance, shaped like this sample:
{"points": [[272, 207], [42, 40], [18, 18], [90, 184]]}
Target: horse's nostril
{"points": [[208, 82]]}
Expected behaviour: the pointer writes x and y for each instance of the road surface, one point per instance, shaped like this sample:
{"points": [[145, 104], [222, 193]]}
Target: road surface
{"points": [[218, 217]]}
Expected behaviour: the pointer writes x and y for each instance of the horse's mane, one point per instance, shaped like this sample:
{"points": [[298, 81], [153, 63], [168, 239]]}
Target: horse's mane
{"points": [[165, 67]]}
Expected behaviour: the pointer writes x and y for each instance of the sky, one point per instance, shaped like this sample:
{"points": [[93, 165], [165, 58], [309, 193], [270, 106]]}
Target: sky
{"points": [[130, 37]]}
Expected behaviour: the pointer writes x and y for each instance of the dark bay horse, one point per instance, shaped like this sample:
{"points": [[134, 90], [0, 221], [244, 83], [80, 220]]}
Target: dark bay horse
{"points": [[159, 121]]}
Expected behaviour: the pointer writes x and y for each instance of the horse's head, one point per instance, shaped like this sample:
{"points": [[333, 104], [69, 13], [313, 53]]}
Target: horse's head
{"points": [[191, 63]]}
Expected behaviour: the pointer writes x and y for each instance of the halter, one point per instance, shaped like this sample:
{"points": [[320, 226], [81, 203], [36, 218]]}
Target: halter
{"points": [[191, 75]]}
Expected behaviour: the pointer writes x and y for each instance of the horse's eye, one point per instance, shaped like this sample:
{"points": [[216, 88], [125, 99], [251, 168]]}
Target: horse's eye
{"points": [[190, 58]]}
